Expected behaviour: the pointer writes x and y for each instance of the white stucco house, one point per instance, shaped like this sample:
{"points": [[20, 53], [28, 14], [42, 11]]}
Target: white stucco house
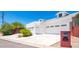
{"points": [[52, 26]]}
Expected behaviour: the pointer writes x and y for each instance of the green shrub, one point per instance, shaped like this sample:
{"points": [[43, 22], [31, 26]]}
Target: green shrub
{"points": [[25, 32], [6, 29], [16, 27], [7, 32]]}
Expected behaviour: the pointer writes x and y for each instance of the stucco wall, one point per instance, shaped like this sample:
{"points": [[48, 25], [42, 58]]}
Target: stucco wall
{"points": [[45, 27], [42, 28]]}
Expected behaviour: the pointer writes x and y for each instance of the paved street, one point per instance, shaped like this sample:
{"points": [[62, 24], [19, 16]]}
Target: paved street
{"points": [[9, 44]]}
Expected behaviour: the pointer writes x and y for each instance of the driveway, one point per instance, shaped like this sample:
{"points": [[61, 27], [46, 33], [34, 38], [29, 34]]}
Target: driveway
{"points": [[9, 44]]}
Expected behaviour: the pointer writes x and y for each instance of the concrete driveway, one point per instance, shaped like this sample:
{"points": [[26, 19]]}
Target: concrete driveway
{"points": [[41, 41], [9, 44]]}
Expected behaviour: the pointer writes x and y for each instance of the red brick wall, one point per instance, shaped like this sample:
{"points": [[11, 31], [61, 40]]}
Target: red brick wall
{"points": [[66, 43], [75, 31]]}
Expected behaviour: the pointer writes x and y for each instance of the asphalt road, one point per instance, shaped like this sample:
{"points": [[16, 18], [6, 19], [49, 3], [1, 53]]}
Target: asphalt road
{"points": [[9, 44]]}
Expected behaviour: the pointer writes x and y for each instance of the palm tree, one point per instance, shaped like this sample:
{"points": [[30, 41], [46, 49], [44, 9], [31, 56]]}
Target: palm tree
{"points": [[2, 17], [17, 26]]}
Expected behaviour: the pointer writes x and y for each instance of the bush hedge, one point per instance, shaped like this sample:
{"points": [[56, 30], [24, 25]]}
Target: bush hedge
{"points": [[8, 29], [26, 32]]}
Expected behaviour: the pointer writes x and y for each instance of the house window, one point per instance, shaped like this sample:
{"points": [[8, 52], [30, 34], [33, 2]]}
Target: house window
{"points": [[47, 26], [66, 14], [64, 25], [52, 26], [60, 15], [56, 25]]}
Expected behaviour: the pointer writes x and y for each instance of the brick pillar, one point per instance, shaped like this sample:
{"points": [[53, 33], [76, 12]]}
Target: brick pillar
{"points": [[66, 39]]}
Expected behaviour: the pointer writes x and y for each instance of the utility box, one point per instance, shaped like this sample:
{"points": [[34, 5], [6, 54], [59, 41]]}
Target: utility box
{"points": [[66, 39]]}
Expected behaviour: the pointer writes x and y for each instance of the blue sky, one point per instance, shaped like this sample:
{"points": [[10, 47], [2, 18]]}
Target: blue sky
{"points": [[28, 16]]}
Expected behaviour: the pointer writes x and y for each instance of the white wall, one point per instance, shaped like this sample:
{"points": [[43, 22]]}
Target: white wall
{"points": [[41, 28], [54, 30]]}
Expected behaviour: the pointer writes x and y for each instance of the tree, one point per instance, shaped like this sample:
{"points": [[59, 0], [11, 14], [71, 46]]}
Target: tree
{"points": [[6, 29], [76, 19], [16, 26]]}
